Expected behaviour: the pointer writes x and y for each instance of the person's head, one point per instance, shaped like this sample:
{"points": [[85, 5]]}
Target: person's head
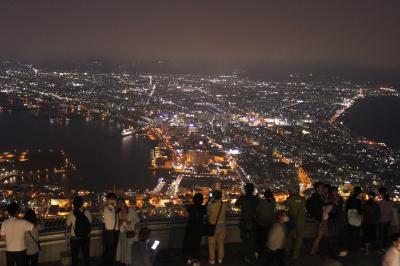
{"points": [[13, 209], [198, 199], [30, 216], [249, 188], [293, 188], [144, 234], [121, 204], [327, 188], [268, 195], [382, 191], [396, 241], [111, 198], [386, 197], [371, 196], [333, 191], [357, 191], [78, 202], [319, 187], [217, 194], [282, 217]]}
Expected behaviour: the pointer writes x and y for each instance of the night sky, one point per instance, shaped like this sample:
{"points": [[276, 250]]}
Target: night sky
{"points": [[363, 35]]}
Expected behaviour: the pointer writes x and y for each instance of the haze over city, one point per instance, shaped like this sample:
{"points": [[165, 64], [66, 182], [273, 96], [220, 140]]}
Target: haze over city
{"points": [[351, 37]]}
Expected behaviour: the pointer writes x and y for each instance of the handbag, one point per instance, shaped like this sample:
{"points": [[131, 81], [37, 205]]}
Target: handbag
{"points": [[355, 219], [130, 234], [210, 228]]}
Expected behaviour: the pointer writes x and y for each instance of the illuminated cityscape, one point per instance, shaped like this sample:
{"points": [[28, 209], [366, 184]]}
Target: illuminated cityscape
{"points": [[199, 132], [208, 132]]}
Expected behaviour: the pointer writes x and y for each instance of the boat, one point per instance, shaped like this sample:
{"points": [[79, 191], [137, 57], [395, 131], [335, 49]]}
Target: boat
{"points": [[127, 132]]}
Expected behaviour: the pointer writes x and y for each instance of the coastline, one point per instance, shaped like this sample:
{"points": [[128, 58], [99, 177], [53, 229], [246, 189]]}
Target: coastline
{"points": [[370, 118]]}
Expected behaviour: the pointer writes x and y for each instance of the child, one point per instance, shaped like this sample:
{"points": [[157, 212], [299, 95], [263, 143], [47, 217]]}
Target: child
{"points": [[276, 240], [392, 256]]}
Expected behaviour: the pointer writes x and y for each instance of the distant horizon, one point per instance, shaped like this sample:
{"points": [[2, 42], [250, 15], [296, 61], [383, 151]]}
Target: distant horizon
{"points": [[354, 37], [382, 77]]}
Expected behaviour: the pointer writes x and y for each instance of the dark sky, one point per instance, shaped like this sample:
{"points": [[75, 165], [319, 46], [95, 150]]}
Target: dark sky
{"points": [[338, 34]]}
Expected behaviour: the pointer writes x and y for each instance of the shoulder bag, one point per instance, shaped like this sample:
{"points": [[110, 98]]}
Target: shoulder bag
{"points": [[210, 228]]}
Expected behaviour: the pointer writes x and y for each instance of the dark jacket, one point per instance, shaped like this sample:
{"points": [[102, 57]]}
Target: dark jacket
{"points": [[194, 230], [354, 203], [142, 254], [248, 207], [371, 212], [196, 215], [315, 205], [337, 213], [266, 213]]}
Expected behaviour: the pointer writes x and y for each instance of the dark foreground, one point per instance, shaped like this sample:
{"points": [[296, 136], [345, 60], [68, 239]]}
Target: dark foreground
{"points": [[173, 257]]}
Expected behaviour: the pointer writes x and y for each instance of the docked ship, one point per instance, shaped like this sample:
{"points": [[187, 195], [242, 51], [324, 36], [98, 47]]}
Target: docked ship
{"points": [[127, 132]]}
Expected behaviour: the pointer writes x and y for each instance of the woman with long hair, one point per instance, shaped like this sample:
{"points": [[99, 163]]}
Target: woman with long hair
{"points": [[32, 239], [128, 223]]}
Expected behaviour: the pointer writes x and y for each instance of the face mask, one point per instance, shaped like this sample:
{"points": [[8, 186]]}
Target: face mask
{"points": [[285, 219]]}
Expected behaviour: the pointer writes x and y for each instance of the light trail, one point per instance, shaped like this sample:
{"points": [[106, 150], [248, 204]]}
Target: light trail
{"points": [[174, 187], [347, 103]]}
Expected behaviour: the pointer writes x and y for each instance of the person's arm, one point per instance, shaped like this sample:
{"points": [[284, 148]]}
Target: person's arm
{"points": [[347, 205], [68, 222], [89, 216], [238, 201], [107, 214], [378, 212], [186, 209], [103, 211], [339, 206], [39, 226], [209, 209], [135, 216], [391, 212], [360, 206], [3, 236], [28, 226], [3, 233]]}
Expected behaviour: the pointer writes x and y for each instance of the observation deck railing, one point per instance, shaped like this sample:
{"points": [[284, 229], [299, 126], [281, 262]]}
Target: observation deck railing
{"points": [[170, 232]]}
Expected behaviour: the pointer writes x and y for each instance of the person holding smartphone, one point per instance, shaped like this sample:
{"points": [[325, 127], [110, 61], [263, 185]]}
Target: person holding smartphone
{"points": [[143, 251]]}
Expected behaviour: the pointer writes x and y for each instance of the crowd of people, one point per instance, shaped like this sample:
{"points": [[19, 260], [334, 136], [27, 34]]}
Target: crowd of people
{"points": [[269, 232], [123, 241], [21, 237]]}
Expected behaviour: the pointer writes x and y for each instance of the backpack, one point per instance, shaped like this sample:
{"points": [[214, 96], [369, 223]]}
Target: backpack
{"points": [[82, 224]]}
